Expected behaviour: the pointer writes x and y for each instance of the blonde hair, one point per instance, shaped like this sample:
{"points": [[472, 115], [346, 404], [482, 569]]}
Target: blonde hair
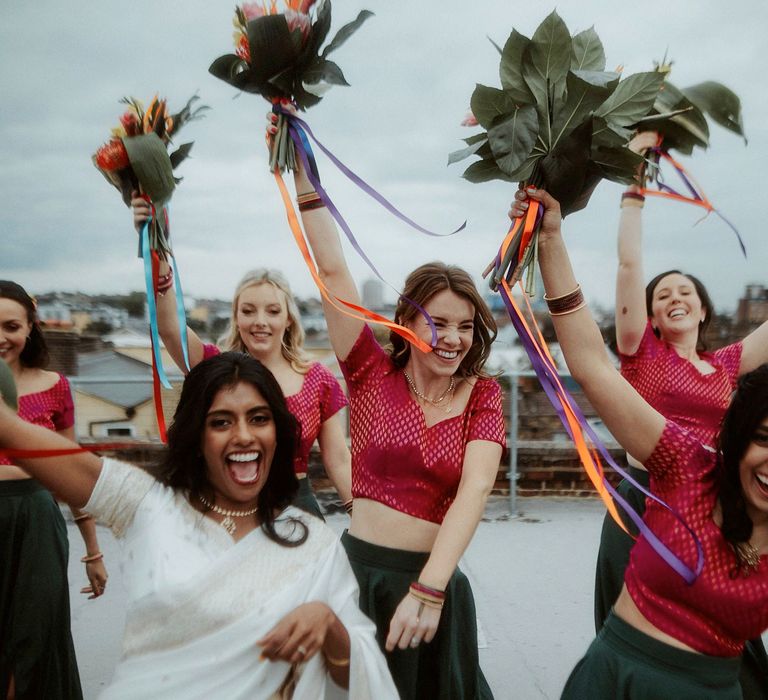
{"points": [[292, 342]]}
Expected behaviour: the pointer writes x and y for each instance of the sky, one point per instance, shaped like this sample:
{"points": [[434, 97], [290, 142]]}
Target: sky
{"points": [[412, 70]]}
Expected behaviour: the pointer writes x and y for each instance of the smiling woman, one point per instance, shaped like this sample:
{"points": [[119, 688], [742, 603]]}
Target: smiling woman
{"points": [[233, 593]]}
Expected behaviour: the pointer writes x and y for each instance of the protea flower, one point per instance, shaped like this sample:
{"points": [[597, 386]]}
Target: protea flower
{"points": [[112, 156]]}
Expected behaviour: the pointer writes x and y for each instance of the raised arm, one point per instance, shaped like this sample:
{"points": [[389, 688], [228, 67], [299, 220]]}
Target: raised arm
{"points": [[72, 477], [631, 315], [635, 425], [754, 349], [167, 320]]}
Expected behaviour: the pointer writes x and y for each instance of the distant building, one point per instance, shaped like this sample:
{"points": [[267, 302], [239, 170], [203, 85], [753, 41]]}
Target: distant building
{"points": [[373, 294], [753, 306]]}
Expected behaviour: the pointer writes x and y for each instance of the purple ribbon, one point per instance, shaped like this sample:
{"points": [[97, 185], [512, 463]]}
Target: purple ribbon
{"points": [[546, 374], [304, 150], [293, 119]]}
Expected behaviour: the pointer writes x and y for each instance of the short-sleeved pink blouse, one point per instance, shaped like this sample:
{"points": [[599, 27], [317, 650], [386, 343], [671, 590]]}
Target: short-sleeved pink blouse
{"points": [[396, 459]]}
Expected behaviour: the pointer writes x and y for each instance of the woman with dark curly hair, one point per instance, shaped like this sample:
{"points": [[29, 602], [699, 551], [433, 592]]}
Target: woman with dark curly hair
{"points": [[666, 637], [37, 657], [233, 593]]}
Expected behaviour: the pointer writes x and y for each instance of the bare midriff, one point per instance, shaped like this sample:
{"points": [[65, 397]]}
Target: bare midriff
{"points": [[376, 523], [10, 472], [626, 609]]}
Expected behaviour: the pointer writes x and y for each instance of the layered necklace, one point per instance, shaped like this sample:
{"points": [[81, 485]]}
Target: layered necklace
{"points": [[448, 393], [228, 523]]}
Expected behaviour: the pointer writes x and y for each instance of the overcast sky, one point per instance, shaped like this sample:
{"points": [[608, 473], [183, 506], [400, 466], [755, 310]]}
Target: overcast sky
{"points": [[412, 69]]}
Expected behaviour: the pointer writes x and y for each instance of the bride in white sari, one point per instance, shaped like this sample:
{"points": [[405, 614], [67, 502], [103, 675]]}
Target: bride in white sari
{"points": [[232, 593]]}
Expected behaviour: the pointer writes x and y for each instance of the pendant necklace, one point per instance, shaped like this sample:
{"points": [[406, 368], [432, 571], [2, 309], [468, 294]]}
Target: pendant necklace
{"points": [[435, 402], [229, 515]]}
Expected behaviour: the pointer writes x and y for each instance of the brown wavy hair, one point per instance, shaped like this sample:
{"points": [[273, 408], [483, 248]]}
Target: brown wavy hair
{"points": [[422, 284]]}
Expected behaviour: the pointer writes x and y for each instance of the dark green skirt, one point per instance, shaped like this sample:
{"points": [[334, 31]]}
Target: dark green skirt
{"points": [[624, 663], [612, 561], [305, 499], [35, 637], [447, 668]]}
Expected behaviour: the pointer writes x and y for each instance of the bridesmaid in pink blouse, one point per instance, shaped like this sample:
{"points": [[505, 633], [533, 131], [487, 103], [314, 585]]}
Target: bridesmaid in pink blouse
{"points": [[37, 657], [427, 436], [265, 323]]}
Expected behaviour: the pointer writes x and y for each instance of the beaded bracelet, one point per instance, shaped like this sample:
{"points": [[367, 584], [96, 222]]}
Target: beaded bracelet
{"points": [[91, 558], [567, 303]]}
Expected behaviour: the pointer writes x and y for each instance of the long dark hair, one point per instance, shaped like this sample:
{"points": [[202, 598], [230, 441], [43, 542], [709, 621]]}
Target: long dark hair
{"points": [[422, 284], [35, 352], [184, 466], [747, 410], [701, 290]]}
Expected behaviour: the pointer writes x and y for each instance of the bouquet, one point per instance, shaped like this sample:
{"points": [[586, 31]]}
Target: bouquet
{"points": [[277, 55], [136, 158], [560, 121]]}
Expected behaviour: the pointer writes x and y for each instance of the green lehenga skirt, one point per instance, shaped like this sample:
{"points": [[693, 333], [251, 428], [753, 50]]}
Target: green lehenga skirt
{"points": [[36, 648], [447, 668]]}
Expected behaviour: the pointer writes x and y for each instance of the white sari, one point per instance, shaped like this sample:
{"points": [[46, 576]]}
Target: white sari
{"points": [[198, 600]]}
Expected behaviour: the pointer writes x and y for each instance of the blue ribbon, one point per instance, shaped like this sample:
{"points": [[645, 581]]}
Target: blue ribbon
{"points": [[155, 336]]}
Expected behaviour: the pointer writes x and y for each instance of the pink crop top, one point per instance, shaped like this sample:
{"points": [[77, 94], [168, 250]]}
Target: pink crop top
{"points": [[717, 613], [677, 390], [396, 459], [319, 398], [52, 408]]}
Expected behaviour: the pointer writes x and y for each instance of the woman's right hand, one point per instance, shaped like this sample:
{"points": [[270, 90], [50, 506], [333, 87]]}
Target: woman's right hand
{"points": [[550, 223], [141, 210], [642, 141]]}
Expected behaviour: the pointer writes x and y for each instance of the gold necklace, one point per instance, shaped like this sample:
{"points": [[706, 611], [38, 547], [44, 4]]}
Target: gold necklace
{"points": [[228, 523], [427, 399], [748, 556]]}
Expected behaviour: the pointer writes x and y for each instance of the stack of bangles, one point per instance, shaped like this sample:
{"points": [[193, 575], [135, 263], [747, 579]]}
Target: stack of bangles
{"points": [[632, 199], [428, 597], [309, 200], [164, 282], [567, 303], [348, 506], [90, 558]]}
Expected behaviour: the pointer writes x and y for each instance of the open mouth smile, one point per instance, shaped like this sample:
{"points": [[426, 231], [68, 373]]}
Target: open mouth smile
{"points": [[447, 354], [243, 467]]}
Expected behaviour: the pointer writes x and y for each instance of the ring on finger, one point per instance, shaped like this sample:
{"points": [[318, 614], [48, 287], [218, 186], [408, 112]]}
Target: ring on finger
{"points": [[415, 641], [302, 650]]}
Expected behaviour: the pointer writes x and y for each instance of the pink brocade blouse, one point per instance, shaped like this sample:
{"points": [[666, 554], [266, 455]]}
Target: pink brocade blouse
{"points": [[319, 398], [717, 613], [396, 459], [675, 387], [52, 408]]}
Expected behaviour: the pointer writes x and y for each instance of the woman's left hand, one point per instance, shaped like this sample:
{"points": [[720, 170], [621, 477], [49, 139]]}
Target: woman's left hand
{"points": [[412, 624], [97, 575], [299, 635]]}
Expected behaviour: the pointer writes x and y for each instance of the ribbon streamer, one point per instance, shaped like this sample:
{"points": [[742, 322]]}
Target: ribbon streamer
{"points": [[697, 196], [577, 427]]}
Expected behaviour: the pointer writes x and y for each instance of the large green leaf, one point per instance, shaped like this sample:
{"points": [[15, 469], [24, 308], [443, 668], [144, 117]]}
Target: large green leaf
{"points": [[720, 103], [346, 31], [632, 99], [583, 98], [271, 46], [565, 168], [527, 169], [180, 154], [670, 99], [482, 136], [463, 153], [323, 70], [610, 153], [487, 103], [599, 78], [546, 61], [150, 162], [320, 29], [484, 171], [510, 68], [513, 136], [234, 70], [587, 51]]}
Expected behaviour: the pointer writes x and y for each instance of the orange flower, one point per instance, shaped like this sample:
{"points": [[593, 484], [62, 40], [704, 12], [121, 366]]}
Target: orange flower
{"points": [[243, 49], [112, 156]]}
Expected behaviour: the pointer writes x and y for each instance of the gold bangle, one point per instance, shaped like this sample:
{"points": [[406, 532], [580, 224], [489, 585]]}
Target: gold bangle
{"points": [[83, 516], [89, 558], [569, 311], [337, 662]]}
